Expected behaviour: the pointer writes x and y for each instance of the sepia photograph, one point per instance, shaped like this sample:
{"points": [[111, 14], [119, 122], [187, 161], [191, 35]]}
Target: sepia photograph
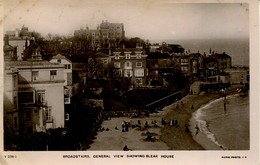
{"points": [[144, 79]]}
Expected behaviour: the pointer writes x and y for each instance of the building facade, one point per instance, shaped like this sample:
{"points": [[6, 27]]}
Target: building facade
{"points": [[11, 113], [98, 66], [238, 75], [40, 94], [224, 61], [130, 63], [182, 63], [211, 67], [106, 35], [160, 67]]}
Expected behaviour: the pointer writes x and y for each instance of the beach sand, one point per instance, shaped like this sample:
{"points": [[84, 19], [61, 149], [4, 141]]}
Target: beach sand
{"points": [[178, 138], [165, 137]]}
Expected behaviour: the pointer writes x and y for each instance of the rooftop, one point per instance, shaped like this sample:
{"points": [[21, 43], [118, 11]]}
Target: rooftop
{"points": [[132, 50], [99, 55], [223, 55], [59, 56], [31, 64]]}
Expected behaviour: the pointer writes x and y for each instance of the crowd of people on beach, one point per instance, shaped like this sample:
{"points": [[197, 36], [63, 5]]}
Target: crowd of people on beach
{"points": [[126, 125], [145, 125]]}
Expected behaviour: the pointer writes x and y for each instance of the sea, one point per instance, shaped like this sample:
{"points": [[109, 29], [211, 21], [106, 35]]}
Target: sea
{"points": [[227, 129]]}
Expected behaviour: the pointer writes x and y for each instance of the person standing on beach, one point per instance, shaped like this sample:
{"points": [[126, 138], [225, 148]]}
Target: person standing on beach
{"points": [[198, 129]]}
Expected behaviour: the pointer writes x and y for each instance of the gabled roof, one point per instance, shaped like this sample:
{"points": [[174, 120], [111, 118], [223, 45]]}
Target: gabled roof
{"points": [[223, 55], [99, 55], [59, 56]]}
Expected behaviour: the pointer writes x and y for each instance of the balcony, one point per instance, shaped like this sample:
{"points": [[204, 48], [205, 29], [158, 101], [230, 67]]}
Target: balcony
{"points": [[42, 102]]}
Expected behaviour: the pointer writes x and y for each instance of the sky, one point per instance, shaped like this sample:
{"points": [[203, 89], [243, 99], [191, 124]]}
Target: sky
{"points": [[149, 20]]}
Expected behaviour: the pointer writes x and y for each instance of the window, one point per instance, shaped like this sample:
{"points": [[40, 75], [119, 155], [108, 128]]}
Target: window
{"points": [[128, 64], [67, 100], [53, 74], [59, 60], [242, 76], [67, 66], [28, 115], [118, 73], [138, 81], [67, 116], [139, 72], [48, 114], [40, 97], [117, 64], [128, 73], [127, 56], [35, 75], [117, 57], [138, 64], [184, 69], [105, 61]]}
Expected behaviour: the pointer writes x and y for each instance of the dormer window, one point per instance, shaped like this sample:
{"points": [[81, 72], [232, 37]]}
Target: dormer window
{"points": [[59, 60], [127, 56], [117, 55]]}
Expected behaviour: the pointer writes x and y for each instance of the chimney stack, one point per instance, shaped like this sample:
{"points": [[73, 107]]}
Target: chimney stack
{"points": [[36, 56]]}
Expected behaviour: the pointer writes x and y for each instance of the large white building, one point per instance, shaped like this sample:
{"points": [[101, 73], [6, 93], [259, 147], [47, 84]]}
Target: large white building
{"points": [[40, 94]]}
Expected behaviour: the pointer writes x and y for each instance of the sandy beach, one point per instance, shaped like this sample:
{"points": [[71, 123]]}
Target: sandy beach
{"points": [[164, 137]]}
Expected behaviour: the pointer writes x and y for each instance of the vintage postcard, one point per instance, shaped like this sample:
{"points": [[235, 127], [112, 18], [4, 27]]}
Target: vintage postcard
{"points": [[87, 81]]}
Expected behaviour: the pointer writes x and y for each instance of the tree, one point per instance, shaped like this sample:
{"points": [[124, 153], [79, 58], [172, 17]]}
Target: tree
{"points": [[177, 81]]}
